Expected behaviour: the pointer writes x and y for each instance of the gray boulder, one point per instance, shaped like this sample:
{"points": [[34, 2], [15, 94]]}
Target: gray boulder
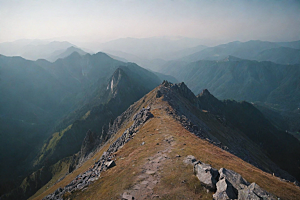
{"points": [[207, 175], [110, 164], [234, 178], [253, 191], [225, 190], [228, 185]]}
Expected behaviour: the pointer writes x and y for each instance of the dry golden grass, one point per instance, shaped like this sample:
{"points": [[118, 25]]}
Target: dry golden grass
{"points": [[177, 180], [50, 188], [121, 177]]}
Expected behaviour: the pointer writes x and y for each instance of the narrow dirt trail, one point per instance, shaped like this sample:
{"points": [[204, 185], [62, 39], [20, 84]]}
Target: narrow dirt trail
{"points": [[150, 174]]}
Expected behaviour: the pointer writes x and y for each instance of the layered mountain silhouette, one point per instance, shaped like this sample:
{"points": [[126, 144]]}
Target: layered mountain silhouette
{"points": [[189, 50], [64, 53], [239, 79], [150, 143], [94, 126], [33, 49], [41, 98], [278, 52]]}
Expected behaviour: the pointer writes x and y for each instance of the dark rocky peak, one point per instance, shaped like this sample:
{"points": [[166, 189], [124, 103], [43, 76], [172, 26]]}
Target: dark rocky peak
{"points": [[207, 101], [205, 92], [185, 91], [231, 58], [181, 89], [167, 83]]}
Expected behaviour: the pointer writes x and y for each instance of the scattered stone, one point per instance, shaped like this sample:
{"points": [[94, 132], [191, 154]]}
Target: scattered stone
{"points": [[110, 164], [136, 187], [143, 143], [150, 172], [144, 182], [189, 159], [178, 156], [126, 196]]}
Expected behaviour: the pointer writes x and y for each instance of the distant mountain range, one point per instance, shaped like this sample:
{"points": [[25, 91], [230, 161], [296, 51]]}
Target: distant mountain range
{"points": [[39, 49], [153, 53], [72, 117], [281, 53], [240, 79], [150, 48], [64, 53]]}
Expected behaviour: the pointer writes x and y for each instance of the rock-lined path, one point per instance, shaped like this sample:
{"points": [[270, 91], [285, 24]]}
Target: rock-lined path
{"points": [[106, 161]]}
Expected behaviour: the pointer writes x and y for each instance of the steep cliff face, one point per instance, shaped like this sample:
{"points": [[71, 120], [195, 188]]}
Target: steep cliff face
{"points": [[145, 159]]}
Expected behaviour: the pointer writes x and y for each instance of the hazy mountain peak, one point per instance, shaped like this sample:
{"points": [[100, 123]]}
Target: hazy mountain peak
{"points": [[75, 54], [231, 58], [205, 92]]}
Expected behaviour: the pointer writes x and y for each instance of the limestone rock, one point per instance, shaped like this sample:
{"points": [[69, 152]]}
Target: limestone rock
{"points": [[253, 191], [110, 164], [234, 178], [207, 175], [225, 190]]}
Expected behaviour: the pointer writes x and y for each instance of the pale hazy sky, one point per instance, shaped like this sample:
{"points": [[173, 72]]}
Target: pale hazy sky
{"points": [[102, 20]]}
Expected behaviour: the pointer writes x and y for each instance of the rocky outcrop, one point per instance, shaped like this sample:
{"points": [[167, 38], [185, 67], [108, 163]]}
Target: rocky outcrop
{"points": [[106, 160], [207, 175], [253, 192], [229, 184], [226, 183], [172, 93]]}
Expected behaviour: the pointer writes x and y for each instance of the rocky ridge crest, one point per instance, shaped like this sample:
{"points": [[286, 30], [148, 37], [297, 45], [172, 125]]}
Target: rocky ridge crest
{"points": [[106, 161]]}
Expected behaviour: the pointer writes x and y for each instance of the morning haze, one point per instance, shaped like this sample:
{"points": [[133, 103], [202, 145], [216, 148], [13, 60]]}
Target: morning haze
{"points": [[88, 23]]}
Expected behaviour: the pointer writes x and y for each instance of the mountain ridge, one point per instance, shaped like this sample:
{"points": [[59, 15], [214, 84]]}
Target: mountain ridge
{"points": [[171, 107]]}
